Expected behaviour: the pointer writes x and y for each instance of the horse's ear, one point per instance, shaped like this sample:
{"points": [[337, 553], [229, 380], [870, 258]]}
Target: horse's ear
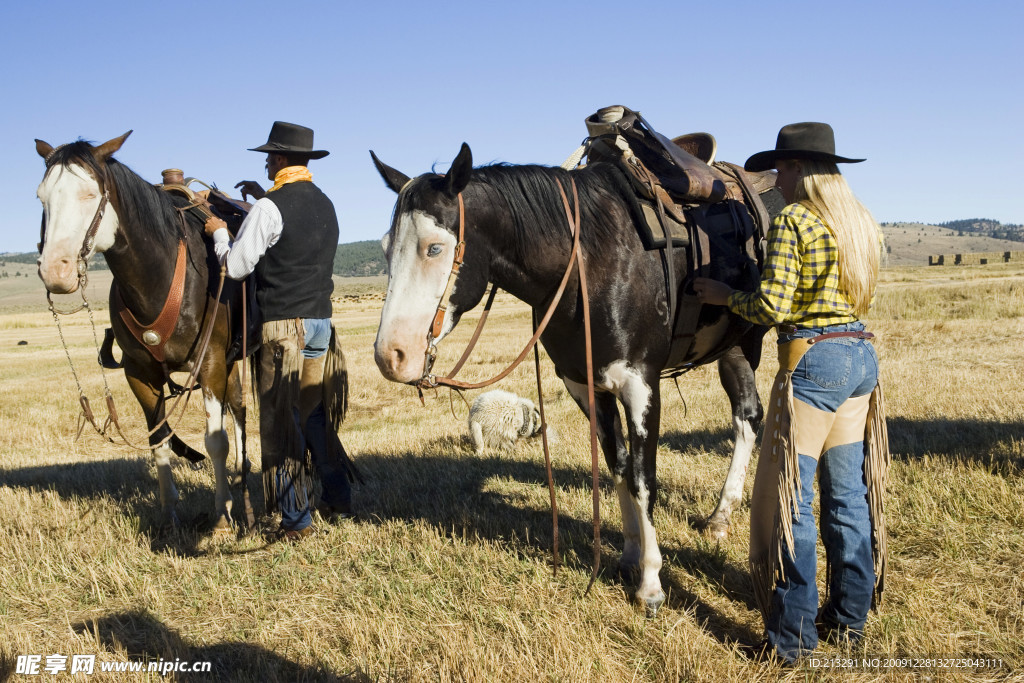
{"points": [[44, 149], [458, 174], [104, 151], [396, 180]]}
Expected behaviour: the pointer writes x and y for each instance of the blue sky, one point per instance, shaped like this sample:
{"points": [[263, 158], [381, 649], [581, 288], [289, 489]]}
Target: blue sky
{"points": [[931, 93]]}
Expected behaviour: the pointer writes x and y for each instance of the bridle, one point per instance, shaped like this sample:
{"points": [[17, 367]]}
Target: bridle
{"points": [[88, 242], [428, 381]]}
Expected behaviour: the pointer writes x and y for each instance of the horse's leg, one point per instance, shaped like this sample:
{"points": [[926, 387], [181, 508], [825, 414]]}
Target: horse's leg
{"points": [[148, 389], [214, 382], [236, 406], [737, 375], [613, 445], [641, 399]]}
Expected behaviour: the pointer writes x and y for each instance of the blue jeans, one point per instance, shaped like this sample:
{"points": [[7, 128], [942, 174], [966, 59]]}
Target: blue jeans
{"points": [[333, 474], [831, 372]]}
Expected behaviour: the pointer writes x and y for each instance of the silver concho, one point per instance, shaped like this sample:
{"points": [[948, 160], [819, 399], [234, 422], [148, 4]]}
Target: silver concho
{"points": [[150, 337]]}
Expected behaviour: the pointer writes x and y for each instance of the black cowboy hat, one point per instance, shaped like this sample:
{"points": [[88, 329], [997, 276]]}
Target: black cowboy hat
{"points": [[800, 141], [291, 138]]}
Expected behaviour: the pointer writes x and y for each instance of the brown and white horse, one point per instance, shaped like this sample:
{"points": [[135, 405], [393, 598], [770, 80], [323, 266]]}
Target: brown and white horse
{"points": [[139, 231], [517, 237]]}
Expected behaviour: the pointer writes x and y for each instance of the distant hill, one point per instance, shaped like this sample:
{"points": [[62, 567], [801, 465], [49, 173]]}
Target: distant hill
{"points": [[358, 259], [354, 259], [988, 228], [908, 243]]}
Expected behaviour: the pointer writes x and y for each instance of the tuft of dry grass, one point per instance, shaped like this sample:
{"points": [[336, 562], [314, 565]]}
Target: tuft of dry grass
{"points": [[446, 575]]}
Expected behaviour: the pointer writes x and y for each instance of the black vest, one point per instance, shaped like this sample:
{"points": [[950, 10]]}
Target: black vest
{"points": [[293, 279]]}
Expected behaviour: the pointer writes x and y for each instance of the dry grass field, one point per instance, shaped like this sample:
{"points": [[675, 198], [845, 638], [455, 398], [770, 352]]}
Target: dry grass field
{"points": [[446, 574]]}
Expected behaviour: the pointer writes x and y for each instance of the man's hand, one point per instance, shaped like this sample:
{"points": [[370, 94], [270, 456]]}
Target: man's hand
{"points": [[711, 291], [251, 187], [213, 224]]}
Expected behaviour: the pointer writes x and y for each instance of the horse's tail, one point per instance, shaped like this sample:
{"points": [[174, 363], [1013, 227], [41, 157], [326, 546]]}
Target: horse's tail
{"points": [[335, 383]]}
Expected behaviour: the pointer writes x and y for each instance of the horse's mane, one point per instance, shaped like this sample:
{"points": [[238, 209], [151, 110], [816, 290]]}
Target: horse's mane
{"points": [[141, 203], [535, 204]]}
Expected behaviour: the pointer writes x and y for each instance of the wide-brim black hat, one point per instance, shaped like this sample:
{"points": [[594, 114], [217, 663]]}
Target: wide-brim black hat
{"points": [[809, 140], [291, 138]]}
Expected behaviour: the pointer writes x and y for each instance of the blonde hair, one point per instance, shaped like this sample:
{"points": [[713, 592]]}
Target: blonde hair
{"points": [[824, 191]]}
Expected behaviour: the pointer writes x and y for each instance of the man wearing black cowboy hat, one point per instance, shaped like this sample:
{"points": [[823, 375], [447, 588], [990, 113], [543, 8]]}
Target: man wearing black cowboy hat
{"points": [[289, 240]]}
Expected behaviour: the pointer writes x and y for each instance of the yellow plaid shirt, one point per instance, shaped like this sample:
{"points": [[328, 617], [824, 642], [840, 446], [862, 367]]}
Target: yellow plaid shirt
{"points": [[800, 281]]}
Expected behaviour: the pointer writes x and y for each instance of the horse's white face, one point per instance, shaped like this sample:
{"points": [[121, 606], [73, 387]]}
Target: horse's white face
{"points": [[420, 256], [70, 198]]}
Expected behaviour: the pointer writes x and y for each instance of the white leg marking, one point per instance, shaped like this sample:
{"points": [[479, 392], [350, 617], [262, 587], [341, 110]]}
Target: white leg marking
{"points": [[630, 388], [732, 492], [631, 548], [239, 441], [650, 562], [168, 493], [217, 447]]}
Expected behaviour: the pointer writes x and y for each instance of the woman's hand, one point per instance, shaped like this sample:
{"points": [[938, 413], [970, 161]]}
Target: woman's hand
{"points": [[711, 291]]}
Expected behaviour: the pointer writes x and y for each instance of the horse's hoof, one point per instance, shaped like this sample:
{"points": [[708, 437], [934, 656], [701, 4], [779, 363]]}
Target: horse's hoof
{"points": [[222, 527], [717, 529], [652, 605], [195, 465], [170, 526]]}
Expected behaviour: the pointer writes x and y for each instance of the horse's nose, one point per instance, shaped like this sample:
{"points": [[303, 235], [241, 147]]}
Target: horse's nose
{"points": [[58, 275], [391, 360]]}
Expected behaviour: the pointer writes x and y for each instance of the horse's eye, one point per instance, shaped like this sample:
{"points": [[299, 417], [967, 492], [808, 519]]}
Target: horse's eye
{"points": [[434, 249]]}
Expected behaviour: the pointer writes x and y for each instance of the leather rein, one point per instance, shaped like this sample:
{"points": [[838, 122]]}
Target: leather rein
{"points": [[428, 380]]}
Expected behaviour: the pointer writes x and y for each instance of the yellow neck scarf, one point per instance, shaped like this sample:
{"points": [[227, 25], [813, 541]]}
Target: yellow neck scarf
{"points": [[291, 174]]}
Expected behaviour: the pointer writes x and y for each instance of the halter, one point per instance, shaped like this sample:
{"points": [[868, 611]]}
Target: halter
{"points": [[427, 381], [430, 355], [153, 340], [430, 381]]}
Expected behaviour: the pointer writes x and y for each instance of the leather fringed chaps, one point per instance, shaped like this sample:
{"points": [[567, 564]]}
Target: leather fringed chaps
{"points": [[335, 383], [280, 375], [777, 483], [877, 459]]}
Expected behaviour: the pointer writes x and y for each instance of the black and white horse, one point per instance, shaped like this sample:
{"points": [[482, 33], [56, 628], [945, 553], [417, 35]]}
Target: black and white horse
{"points": [[517, 237]]}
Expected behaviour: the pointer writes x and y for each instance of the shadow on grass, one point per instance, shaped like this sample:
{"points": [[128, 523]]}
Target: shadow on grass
{"points": [[146, 639], [131, 484], [999, 446], [453, 490], [716, 442]]}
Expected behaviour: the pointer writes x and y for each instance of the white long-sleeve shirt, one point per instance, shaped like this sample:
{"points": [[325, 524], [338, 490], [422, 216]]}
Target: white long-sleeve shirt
{"points": [[260, 230]]}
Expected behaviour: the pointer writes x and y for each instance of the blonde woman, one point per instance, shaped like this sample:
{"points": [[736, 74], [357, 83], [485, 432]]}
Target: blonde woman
{"points": [[818, 283]]}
